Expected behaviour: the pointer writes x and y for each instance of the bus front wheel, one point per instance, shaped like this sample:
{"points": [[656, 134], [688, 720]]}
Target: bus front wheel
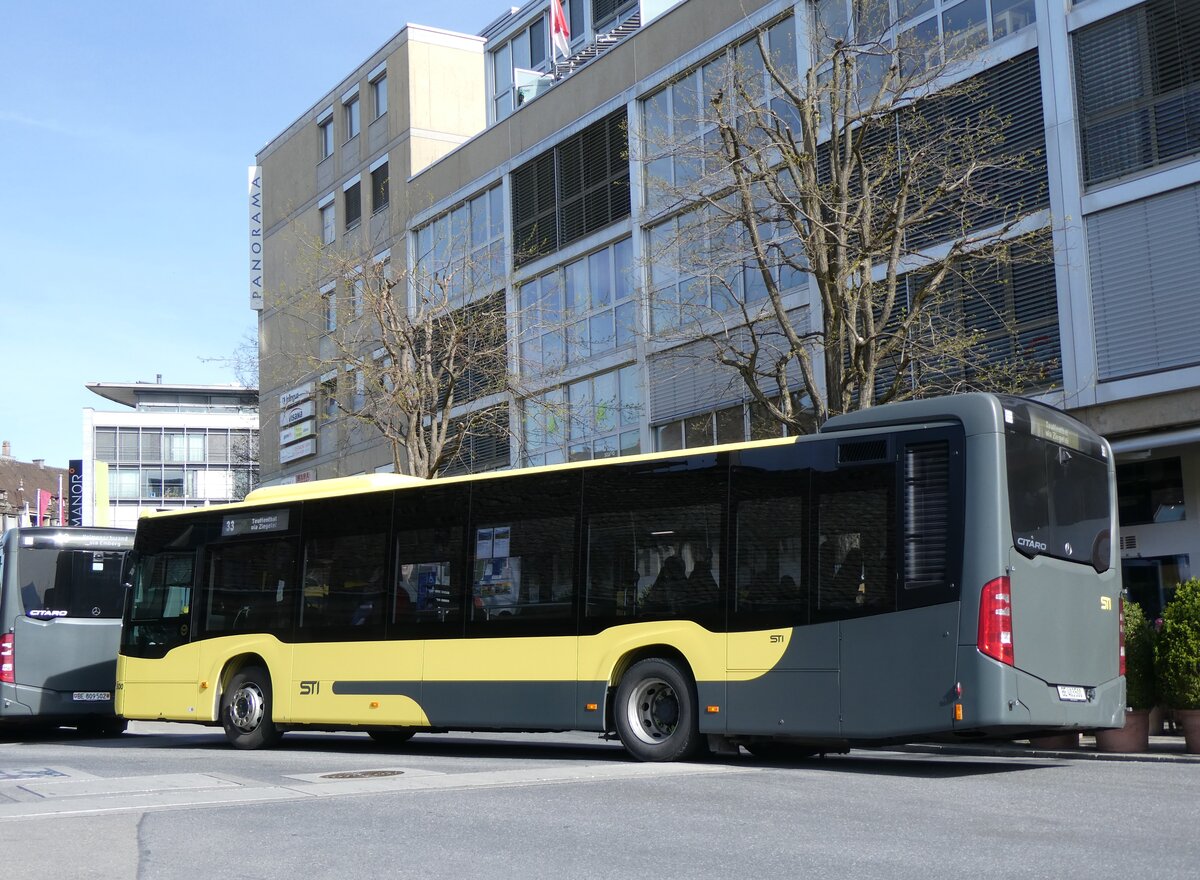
{"points": [[655, 711], [246, 710]]}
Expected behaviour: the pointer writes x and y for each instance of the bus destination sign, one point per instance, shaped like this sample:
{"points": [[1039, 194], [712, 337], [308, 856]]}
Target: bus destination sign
{"points": [[254, 523]]}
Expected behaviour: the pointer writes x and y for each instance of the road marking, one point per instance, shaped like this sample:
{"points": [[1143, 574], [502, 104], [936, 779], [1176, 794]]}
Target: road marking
{"points": [[21, 775], [126, 785], [182, 790]]}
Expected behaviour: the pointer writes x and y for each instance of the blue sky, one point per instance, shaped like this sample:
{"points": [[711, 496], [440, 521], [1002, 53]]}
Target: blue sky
{"points": [[126, 127]]}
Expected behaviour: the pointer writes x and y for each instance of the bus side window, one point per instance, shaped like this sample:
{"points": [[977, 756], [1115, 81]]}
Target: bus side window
{"points": [[252, 587], [771, 578], [856, 544], [345, 563], [426, 589]]}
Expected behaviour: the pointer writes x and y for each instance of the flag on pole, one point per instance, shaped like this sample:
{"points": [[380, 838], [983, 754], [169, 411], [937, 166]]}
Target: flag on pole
{"points": [[560, 36]]}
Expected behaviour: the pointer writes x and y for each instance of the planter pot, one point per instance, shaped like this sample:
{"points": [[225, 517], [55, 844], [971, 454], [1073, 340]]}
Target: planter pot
{"points": [[1189, 720], [1133, 737], [1057, 742]]}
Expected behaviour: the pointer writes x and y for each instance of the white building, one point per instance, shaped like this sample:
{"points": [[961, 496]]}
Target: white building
{"points": [[170, 446]]}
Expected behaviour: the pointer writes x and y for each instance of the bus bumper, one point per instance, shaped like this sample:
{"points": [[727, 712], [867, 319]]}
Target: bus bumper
{"points": [[1000, 701], [20, 701]]}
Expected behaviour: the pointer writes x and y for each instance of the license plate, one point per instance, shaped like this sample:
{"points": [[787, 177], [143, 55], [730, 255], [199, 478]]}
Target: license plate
{"points": [[1072, 693], [92, 696]]}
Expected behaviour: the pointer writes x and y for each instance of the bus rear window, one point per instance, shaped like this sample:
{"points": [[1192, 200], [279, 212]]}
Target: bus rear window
{"points": [[71, 583], [1058, 500]]}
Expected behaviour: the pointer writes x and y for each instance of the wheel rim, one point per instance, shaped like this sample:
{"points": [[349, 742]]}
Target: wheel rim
{"points": [[653, 711], [246, 707]]}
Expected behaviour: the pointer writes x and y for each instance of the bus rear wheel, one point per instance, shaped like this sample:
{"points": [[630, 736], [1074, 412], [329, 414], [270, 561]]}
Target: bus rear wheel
{"points": [[656, 713], [246, 710]]}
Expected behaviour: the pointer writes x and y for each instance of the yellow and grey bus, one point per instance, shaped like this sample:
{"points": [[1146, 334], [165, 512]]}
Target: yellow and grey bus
{"points": [[938, 569], [61, 597]]}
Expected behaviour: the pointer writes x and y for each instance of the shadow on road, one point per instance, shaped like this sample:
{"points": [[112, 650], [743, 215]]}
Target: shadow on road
{"points": [[527, 747]]}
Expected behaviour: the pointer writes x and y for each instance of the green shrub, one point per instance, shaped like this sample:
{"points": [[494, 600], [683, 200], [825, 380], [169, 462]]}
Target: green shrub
{"points": [[1177, 648], [1139, 658]]}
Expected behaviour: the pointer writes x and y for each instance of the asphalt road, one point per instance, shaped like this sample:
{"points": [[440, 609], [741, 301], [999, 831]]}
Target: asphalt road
{"points": [[173, 801]]}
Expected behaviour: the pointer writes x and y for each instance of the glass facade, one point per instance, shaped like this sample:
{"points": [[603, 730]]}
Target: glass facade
{"points": [[183, 465]]}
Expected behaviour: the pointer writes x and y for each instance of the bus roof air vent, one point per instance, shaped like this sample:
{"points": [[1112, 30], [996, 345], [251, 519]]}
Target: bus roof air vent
{"points": [[862, 451]]}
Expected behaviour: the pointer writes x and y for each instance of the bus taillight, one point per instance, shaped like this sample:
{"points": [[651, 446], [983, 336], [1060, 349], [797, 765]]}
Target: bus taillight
{"points": [[995, 621], [1121, 634], [6, 659]]}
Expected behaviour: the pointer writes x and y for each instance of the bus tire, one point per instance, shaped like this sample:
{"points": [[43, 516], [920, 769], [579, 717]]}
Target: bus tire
{"points": [[246, 710], [655, 709], [392, 738]]}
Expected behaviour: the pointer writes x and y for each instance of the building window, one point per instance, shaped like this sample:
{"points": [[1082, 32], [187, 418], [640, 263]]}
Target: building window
{"points": [[328, 396], [1150, 492], [328, 231], [352, 204], [597, 417], [520, 68], [325, 137], [579, 310], [1144, 258], [357, 292], [701, 265], [1138, 88], [329, 310], [1010, 307], [350, 110], [608, 13], [577, 188], [681, 143], [575, 19], [379, 187], [460, 254], [379, 95]]}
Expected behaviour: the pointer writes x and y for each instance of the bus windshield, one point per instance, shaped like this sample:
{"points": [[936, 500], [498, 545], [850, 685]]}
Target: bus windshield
{"points": [[1058, 490], [71, 583]]}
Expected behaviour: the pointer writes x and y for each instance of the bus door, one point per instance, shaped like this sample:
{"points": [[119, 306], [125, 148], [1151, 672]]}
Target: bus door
{"points": [[889, 520], [160, 626], [65, 639], [782, 666], [518, 665], [344, 668]]}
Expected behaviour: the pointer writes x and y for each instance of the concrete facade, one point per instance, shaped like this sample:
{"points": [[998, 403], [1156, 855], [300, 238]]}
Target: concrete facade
{"points": [[1123, 341]]}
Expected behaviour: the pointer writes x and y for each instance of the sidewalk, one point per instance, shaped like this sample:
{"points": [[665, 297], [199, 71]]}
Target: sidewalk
{"points": [[1162, 748]]}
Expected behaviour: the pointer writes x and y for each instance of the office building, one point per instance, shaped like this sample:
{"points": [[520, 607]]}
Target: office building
{"points": [[533, 164], [168, 447]]}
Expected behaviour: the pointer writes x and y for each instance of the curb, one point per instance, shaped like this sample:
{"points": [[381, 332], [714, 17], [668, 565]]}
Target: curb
{"points": [[1163, 754]]}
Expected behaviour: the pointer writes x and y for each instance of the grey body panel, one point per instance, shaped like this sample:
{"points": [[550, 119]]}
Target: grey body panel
{"points": [[57, 658], [1062, 631], [892, 687]]}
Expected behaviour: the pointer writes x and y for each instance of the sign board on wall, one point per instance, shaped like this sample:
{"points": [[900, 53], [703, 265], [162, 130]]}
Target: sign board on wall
{"points": [[256, 238], [75, 492], [299, 477], [298, 450], [297, 432], [297, 395], [297, 413]]}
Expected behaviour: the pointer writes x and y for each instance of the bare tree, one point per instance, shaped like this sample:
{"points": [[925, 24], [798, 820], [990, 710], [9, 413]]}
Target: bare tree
{"points": [[412, 356], [242, 361], [881, 177]]}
